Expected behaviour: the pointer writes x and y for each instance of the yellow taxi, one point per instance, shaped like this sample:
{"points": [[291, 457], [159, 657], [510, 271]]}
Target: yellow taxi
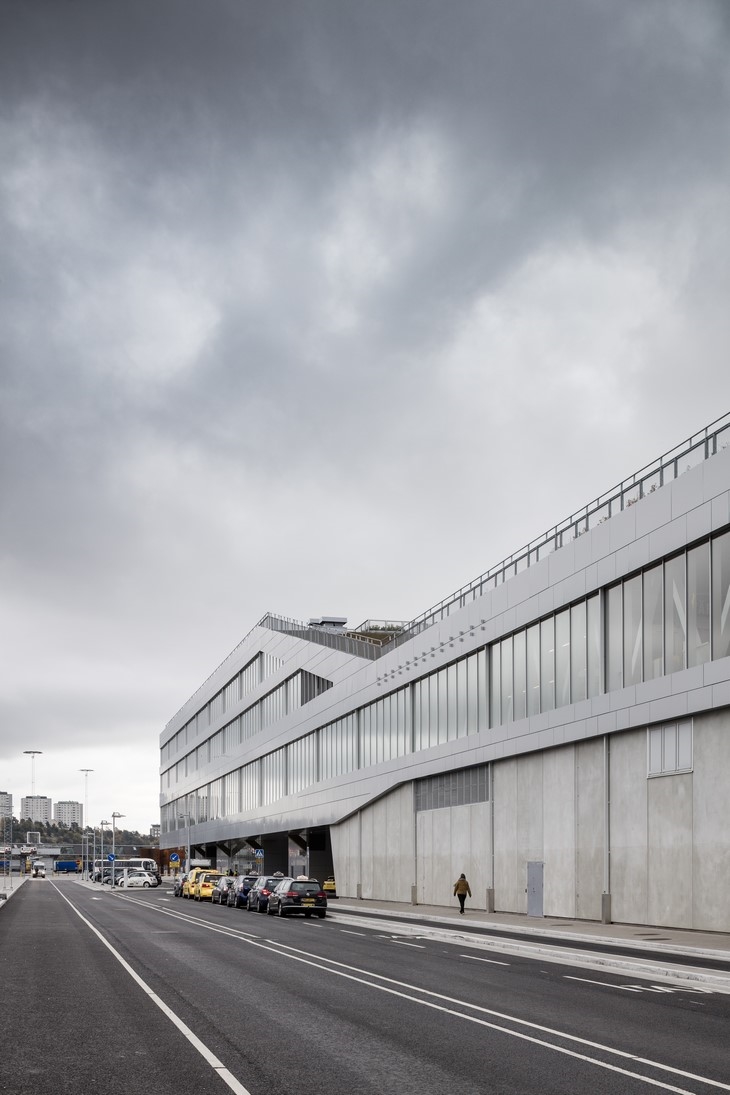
{"points": [[329, 886], [190, 880], [204, 884]]}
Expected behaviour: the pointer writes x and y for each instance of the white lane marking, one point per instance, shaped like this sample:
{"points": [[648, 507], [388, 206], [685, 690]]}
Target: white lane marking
{"points": [[218, 1067], [346, 932], [284, 951], [603, 984], [402, 943], [491, 961]]}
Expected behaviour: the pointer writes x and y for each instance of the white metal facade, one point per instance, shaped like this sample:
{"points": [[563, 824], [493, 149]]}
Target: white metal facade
{"points": [[566, 715]]}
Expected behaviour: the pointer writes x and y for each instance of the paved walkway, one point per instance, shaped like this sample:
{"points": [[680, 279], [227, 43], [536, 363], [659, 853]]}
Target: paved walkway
{"points": [[640, 936]]}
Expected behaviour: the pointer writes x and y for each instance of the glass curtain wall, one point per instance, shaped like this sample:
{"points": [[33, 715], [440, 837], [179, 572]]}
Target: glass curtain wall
{"points": [[671, 616]]}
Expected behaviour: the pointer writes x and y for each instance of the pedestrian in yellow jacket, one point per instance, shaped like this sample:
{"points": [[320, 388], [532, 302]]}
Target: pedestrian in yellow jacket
{"points": [[461, 889]]}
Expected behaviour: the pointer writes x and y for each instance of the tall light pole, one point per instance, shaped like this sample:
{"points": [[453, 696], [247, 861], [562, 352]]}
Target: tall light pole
{"points": [[32, 753], [101, 851], [86, 794], [86, 812], [115, 815]]}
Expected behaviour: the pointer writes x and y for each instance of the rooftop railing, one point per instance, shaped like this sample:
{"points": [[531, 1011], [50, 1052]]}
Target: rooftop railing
{"points": [[700, 446]]}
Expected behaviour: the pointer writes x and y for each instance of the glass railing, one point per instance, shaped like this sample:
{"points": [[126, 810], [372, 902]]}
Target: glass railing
{"points": [[701, 446]]}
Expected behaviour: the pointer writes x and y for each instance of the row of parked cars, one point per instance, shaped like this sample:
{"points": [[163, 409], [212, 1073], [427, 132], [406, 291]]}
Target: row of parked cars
{"points": [[275, 894]]}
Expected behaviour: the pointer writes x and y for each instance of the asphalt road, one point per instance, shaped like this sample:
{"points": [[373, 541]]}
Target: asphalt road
{"points": [[197, 998]]}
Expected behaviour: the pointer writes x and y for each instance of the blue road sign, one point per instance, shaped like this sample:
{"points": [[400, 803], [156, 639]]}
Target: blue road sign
{"points": [[174, 857], [111, 857], [258, 853]]}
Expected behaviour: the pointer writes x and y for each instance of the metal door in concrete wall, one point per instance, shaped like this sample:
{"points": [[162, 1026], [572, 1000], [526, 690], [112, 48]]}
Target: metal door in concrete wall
{"points": [[534, 889]]}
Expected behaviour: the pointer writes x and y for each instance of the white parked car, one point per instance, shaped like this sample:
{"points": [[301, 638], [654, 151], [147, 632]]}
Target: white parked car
{"points": [[137, 878]]}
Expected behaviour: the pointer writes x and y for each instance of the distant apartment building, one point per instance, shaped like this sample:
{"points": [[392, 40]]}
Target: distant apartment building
{"points": [[37, 808], [69, 813], [6, 804]]}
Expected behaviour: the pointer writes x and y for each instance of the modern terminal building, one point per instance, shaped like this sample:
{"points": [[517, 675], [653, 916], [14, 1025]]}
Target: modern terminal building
{"points": [[558, 729]]}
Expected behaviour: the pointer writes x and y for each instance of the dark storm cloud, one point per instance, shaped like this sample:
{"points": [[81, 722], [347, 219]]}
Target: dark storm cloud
{"points": [[359, 278]]}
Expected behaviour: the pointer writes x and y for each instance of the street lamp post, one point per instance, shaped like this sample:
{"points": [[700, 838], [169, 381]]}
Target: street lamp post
{"points": [[101, 849], [115, 815], [86, 795], [32, 753]]}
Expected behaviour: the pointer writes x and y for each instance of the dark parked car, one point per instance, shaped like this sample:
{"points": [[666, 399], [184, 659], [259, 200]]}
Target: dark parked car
{"points": [[298, 895], [258, 895], [238, 894], [178, 885], [219, 895]]}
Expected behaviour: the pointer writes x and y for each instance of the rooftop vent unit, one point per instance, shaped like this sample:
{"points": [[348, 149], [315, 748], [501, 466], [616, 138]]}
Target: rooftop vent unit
{"points": [[331, 623]]}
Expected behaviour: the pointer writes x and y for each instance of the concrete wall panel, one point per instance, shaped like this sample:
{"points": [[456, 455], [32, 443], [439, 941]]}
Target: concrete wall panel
{"points": [[628, 823], [711, 823], [590, 829], [669, 861], [558, 851]]}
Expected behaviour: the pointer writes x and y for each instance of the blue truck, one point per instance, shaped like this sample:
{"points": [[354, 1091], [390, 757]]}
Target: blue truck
{"points": [[68, 866]]}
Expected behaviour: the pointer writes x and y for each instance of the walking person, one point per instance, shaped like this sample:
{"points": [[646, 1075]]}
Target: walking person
{"points": [[461, 889]]}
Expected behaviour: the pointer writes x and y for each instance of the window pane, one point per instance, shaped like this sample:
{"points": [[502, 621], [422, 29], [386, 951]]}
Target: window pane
{"points": [[684, 745], [520, 674], [593, 643], [547, 664], [452, 724], [698, 605], [562, 658], [669, 748], [495, 684], [675, 615], [721, 596], [443, 708], [533, 670], [578, 682], [614, 641], [632, 631], [507, 708], [655, 751], [433, 708], [653, 623]]}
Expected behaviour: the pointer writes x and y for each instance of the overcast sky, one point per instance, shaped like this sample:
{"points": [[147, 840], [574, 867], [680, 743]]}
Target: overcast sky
{"points": [[325, 308]]}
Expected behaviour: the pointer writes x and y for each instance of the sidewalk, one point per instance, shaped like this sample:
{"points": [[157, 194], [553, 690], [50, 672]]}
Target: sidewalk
{"points": [[636, 936]]}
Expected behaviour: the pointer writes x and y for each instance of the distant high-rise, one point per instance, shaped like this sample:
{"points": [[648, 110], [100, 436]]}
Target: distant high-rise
{"points": [[6, 804], [69, 813], [37, 808]]}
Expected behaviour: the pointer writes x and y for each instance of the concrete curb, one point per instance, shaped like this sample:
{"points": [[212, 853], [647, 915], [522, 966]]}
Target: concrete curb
{"points": [[486, 936], [548, 933]]}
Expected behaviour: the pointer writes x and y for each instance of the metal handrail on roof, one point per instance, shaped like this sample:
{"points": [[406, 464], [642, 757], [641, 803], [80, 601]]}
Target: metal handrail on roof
{"points": [[362, 646], [695, 449], [700, 446]]}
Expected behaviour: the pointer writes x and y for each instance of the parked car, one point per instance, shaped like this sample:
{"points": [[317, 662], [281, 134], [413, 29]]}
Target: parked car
{"points": [[298, 895], [187, 890], [258, 895], [204, 885], [137, 879], [330, 886], [238, 894], [219, 896], [177, 885]]}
